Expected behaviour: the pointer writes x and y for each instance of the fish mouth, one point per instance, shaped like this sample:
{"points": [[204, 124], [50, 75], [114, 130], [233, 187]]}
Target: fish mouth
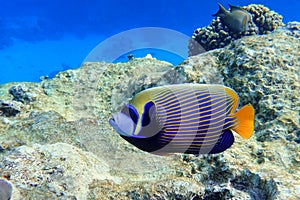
{"points": [[113, 123]]}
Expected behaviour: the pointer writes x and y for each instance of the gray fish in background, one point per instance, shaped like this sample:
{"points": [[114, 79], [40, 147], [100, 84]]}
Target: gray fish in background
{"points": [[237, 19], [5, 190]]}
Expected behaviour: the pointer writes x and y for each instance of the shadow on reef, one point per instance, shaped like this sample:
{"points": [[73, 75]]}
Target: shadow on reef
{"points": [[223, 183]]}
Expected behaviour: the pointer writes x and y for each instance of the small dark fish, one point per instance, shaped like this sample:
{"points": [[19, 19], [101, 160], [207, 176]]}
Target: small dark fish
{"points": [[5, 190], [184, 118], [237, 19]]}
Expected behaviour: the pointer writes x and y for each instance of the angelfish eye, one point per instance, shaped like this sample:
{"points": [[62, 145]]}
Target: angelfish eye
{"points": [[148, 112], [132, 112]]}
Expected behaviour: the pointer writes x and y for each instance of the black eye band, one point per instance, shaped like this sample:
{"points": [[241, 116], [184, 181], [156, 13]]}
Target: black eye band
{"points": [[132, 112], [146, 115]]}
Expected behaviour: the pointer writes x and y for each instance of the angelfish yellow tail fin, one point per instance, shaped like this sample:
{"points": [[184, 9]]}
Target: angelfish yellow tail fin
{"points": [[245, 124]]}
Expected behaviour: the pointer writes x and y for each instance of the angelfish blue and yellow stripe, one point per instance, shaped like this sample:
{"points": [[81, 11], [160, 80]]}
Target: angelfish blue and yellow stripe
{"points": [[184, 118]]}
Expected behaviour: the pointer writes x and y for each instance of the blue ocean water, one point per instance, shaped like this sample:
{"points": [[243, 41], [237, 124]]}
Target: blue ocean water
{"points": [[43, 37]]}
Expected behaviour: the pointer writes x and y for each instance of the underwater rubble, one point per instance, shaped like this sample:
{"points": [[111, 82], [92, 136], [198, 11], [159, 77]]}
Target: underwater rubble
{"points": [[59, 145]]}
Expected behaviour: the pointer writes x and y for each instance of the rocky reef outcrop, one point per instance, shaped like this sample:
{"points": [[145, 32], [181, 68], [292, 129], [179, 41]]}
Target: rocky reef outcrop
{"points": [[59, 144]]}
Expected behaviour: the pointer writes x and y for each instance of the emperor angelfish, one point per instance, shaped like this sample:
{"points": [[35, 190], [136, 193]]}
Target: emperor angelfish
{"points": [[237, 19], [184, 118]]}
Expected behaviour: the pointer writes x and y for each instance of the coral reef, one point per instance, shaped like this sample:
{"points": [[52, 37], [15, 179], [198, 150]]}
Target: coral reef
{"points": [[265, 19], [60, 145], [294, 28], [217, 35], [271, 82]]}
